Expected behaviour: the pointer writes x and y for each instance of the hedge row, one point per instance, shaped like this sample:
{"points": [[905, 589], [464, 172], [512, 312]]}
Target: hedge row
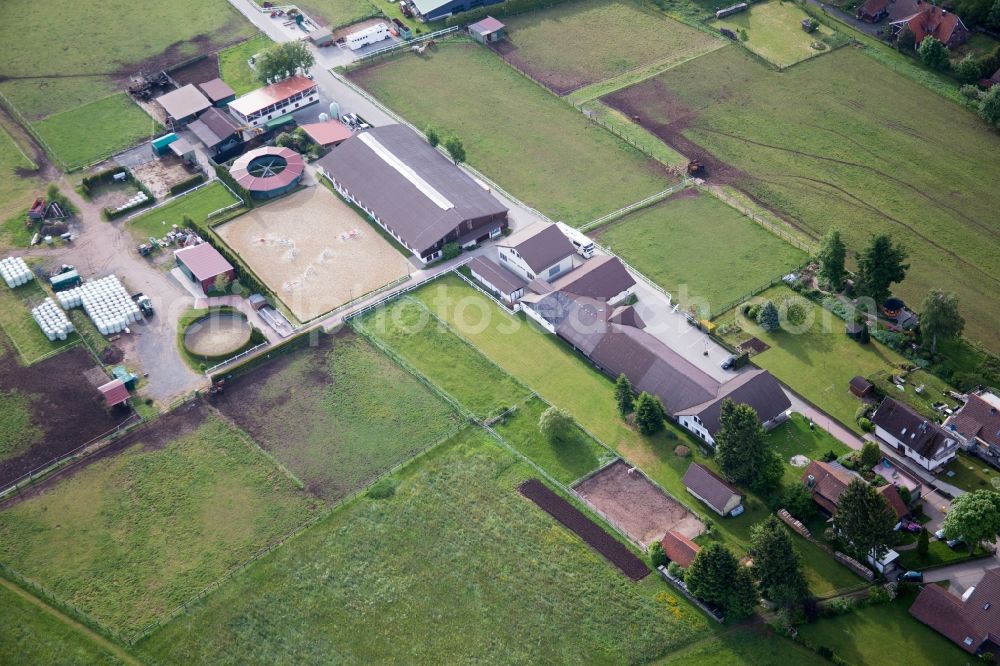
{"points": [[245, 276], [101, 178], [188, 184], [223, 173]]}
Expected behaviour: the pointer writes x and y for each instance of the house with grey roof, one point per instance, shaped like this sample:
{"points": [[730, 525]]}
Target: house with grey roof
{"points": [[412, 191], [720, 496], [538, 251], [505, 285], [912, 435], [977, 426]]}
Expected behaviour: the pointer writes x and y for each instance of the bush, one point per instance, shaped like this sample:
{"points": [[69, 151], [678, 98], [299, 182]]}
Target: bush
{"points": [[839, 606], [675, 570], [865, 424], [656, 555], [450, 251], [829, 456], [878, 595], [383, 489]]}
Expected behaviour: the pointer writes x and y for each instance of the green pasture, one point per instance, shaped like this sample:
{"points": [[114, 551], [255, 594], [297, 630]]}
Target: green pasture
{"points": [[233, 67], [774, 32], [22, 329], [338, 13], [16, 192], [17, 429], [196, 205]]}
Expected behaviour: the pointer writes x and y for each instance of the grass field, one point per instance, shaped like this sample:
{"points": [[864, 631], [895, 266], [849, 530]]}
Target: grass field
{"points": [[233, 67], [445, 359], [17, 430], [101, 42], [867, 635], [337, 416], [15, 191], [97, 130], [130, 536], [455, 567], [566, 380], [31, 635], [774, 32], [704, 252], [794, 438], [819, 361], [841, 141], [745, 647], [578, 171], [573, 44], [337, 13], [197, 205], [21, 328]]}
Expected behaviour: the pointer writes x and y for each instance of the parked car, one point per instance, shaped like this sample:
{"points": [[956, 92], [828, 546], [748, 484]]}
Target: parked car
{"points": [[729, 363], [911, 526], [940, 535], [955, 544], [911, 577]]}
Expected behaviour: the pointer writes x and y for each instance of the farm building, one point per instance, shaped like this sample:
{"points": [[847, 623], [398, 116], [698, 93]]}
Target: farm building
{"points": [[507, 286], [115, 393], [218, 92], [603, 278], [203, 264], [219, 132], [488, 30], [183, 105], [679, 549], [321, 37], [432, 10], [328, 133], [873, 11], [412, 191], [718, 495], [757, 388], [909, 433], [827, 482], [278, 99], [268, 172]]}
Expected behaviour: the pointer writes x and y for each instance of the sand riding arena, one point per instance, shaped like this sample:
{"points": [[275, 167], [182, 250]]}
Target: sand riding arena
{"points": [[635, 505], [313, 251]]}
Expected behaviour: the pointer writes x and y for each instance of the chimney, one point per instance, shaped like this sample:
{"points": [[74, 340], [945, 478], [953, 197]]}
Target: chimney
{"points": [[810, 481]]}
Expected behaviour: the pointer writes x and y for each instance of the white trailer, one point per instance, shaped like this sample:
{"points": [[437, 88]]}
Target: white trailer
{"points": [[584, 246], [370, 35]]}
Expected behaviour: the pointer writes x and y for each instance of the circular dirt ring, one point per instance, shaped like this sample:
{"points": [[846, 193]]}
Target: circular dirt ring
{"points": [[217, 334]]}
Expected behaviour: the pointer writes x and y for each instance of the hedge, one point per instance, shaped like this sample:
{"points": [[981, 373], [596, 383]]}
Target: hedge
{"points": [[245, 276], [188, 184], [508, 8], [224, 175]]}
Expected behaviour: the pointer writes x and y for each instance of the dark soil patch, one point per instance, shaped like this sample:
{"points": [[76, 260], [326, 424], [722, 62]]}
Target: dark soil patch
{"points": [[754, 346], [592, 534], [560, 84], [68, 409], [112, 354], [204, 69]]}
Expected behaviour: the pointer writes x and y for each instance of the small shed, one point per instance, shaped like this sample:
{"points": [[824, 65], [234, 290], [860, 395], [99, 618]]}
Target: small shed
{"points": [[114, 393], [488, 30], [321, 37], [183, 149], [203, 264], [128, 378], [257, 301], [328, 133], [218, 92], [861, 387], [184, 104]]}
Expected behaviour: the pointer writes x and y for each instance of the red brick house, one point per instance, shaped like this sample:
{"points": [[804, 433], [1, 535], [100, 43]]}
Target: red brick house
{"points": [[932, 21], [971, 621]]}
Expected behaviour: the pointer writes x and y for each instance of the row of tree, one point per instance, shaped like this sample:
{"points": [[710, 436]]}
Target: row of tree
{"points": [[452, 144]]}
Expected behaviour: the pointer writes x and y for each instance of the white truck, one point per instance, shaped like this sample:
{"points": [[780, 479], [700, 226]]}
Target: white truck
{"points": [[370, 35], [584, 246]]}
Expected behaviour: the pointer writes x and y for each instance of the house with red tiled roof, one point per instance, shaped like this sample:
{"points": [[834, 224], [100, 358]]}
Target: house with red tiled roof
{"points": [[679, 548], [895, 500], [971, 621], [932, 21], [827, 482]]}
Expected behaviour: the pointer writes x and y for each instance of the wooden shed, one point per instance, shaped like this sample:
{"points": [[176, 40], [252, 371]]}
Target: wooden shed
{"points": [[861, 387]]}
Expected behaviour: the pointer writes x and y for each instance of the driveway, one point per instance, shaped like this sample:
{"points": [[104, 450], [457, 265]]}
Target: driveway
{"points": [[963, 575], [871, 29]]}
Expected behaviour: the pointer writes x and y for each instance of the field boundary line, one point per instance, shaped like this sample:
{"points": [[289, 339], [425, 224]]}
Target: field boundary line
{"points": [[638, 205], [788, 237]]}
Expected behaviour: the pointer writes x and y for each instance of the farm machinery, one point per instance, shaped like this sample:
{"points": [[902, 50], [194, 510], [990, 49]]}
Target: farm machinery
{"points": [[142, 87], [696, 169]]}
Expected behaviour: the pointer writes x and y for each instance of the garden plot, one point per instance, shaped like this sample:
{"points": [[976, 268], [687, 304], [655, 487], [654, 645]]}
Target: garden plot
{"points": [[313, 251], [336, 415], [151, 521], [630, 501]]}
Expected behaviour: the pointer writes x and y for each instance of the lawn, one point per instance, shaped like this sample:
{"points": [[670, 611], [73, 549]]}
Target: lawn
{"points": [[573, 44], [454, 567], [31, 634], [565, 379], [442, 357], [868, 635], [17, 428], [337, 415], [233, 67], [133, 535], [338, 13], [818, 360], [704, 252], [745, 646], [97, 130], [98, 43], [196, 205], [578, 171], [567, 460], [774, 32], [971, 474], [21, 328], [15, 191], [938, 554], [794, 438], [843, 142]]}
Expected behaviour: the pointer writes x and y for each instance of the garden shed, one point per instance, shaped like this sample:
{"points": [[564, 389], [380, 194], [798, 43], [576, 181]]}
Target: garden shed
{"points": [[114, 393], [861, 387], [488, 30]]}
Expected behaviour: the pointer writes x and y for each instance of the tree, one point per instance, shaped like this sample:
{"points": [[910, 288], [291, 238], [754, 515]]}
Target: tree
{"points": [[993, 18], [776, 564], [649, 414], [556, 425], [221, 282], [865, 519], [282, 60], [989, 106], [768, 318], [798, 501], [455, 148], [879, 266], [923, 542], [831, 257], [742, 449], [870, 455], [716, 576], [933, 53], [967, 70], [623, 395], [939, 318], [432, 137], [656, 555], [974, 517]]}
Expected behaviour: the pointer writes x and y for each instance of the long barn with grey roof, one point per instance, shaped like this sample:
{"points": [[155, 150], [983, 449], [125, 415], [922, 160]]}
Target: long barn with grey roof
{"points": [[412, 191]]}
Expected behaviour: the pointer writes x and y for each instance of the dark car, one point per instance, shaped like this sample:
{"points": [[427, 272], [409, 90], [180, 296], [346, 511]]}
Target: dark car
{"points": [[729, 363], [911, 577]]}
